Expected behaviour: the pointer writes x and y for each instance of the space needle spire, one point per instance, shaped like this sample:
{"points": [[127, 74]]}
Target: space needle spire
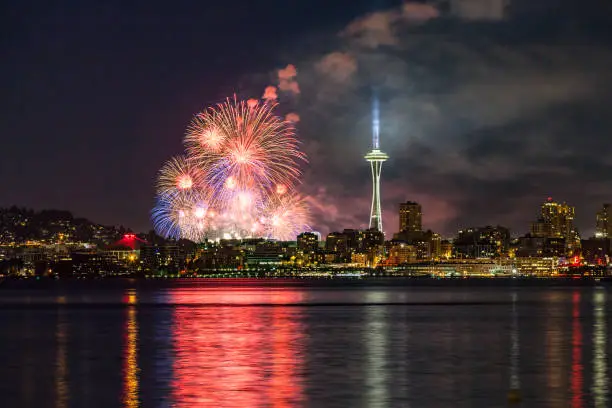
{"points": [[376, 158]]}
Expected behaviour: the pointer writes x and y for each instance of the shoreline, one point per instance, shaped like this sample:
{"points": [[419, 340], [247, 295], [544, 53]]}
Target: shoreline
{"points": [[335, 282]]}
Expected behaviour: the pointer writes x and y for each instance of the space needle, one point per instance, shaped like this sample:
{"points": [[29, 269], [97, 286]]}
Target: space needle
{"points": [[376, 159]]}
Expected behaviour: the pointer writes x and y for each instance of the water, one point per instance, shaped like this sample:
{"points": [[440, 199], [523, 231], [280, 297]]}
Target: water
{"points": [[256, 345]]}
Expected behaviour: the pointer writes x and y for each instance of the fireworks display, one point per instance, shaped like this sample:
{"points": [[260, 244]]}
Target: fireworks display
{"points": [[237, 179]]}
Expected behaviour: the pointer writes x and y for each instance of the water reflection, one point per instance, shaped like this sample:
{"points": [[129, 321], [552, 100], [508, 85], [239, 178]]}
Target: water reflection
{"points": [[600, 358], [556, 362], [515, 383], [305, 347], [577, 368], [237, 357], [286, 382], [61, 365], [130, 369], [375, 339]]}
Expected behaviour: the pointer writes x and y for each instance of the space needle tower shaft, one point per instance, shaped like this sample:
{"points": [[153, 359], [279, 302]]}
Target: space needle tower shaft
{"points": [[376, 158]]}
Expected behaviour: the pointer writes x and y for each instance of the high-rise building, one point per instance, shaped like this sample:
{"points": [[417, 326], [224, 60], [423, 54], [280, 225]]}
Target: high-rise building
{"points": [[559, 218], [410, 217], [556, 224], [376, 158], [603, 228]]}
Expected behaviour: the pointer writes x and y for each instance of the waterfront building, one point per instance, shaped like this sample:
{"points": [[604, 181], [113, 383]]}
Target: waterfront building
{"points": [[458, 268], [265, 257], [122, 254], [483, 242], [537, 266], [596, 251], [359, 259], [401, 253], [446, 249], [88, 264], [161, 258], [329, 257]]}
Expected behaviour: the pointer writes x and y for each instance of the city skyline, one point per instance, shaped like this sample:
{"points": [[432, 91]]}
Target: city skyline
{"points": [[472, 148], [546, 222]]}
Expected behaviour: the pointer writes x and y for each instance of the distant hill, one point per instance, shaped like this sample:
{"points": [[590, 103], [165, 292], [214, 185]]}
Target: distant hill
{"points": [[19, 225]]}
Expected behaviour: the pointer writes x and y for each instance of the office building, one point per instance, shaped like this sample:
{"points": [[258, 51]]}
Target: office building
{"points": [[556, 222], [410, 217], [603, 227]]}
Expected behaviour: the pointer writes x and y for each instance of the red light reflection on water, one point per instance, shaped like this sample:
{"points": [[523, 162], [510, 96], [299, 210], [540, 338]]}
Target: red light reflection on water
{"points": [[240, 356], [577, 368], [130, 357]]}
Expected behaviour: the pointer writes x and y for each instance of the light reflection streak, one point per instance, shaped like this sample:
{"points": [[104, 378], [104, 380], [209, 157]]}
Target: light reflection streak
{"points": [[600, 360], [554, 345], [237, 356], [515, 355], [286, 386], [61, 365], [28, 385], [577, 368], [375, 338], [131, 369]]}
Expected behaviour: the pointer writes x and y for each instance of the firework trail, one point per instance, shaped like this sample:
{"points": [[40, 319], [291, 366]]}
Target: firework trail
{"points": [[237, 179], [178, 174], [174, 216], [286, 216]]}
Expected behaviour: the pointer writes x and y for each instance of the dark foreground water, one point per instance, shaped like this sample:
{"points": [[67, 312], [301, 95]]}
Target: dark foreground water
{"points": [[256, 345]]}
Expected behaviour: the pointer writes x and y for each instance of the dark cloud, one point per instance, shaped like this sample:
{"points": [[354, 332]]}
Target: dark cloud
{"points": [[481, 124]]}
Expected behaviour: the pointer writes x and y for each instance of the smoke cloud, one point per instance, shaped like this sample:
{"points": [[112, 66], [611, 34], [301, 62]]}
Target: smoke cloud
{"points": [[292, 117], [270, 93], [289, 86], [288, 73], [474, 10], [380, 28], [419, 12], [287, 80], [339, 66]]}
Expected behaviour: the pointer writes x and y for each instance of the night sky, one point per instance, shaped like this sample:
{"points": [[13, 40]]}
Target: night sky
{"points": [[484, 114]]}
